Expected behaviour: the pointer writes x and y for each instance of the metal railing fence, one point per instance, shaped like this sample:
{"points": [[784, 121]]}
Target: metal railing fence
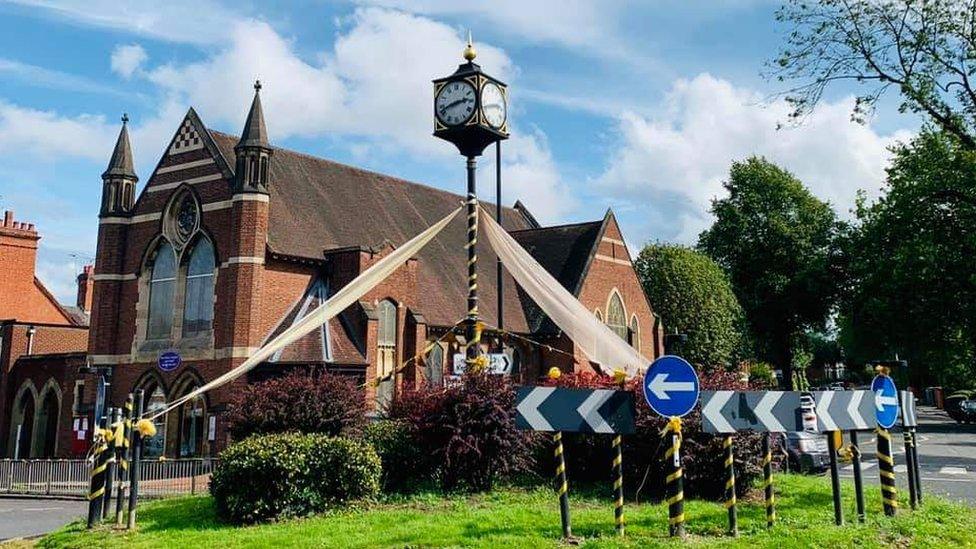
{"points": [[70, 477]]}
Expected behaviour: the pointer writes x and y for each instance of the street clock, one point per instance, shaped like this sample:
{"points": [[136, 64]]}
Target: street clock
{"points": [[470, 107]]}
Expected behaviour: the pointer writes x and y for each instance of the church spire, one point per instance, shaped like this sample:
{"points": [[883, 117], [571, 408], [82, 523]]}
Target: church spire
{"points": [[119, 179], [253, 150], [255, 133], [120, 165]]}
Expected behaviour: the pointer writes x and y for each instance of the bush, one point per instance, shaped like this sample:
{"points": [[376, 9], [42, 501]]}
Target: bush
{"points": [[588, 456], [274, 476], [299, 401], [466, 431], [402, 459]]}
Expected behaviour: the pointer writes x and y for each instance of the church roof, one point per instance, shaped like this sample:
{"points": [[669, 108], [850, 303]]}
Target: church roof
{"points": [[121, 162], [317, 205]]}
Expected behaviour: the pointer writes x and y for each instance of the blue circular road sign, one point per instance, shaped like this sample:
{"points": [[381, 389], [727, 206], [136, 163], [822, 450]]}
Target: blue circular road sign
{"points": [[169, 361], [885, 401], [671, 386]]}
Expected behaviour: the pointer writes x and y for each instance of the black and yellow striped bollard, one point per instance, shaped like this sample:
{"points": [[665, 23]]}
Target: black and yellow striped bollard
{"points": [[769, 498], [111, 463], [96, 488], [562, 486], [618, 484], [730, 486], [886, 466], [675, 482]]}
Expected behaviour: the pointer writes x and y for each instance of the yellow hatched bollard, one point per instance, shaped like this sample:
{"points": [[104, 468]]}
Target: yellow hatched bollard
{"points": [[618, 484], [730, 486], [562, 486], [768, 496], [886, 466], [675, 481]]}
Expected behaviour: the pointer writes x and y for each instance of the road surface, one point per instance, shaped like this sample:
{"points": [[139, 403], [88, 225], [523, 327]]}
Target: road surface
{"points": [[947, 457], [32, 517]]}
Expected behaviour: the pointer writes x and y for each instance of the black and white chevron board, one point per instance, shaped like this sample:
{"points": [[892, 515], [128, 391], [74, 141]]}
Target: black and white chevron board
{"points": [[907, 402], [574, 410], [845, 410], [765, 411]]}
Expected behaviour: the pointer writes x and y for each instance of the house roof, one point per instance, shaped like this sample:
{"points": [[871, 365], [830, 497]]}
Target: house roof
{"points": [[375, 210]]}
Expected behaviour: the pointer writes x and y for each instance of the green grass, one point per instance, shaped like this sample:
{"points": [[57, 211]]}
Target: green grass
{"points": [[530, 518]]}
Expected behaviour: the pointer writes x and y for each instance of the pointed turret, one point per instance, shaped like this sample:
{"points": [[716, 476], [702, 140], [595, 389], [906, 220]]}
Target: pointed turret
{"points": [[253, 150], [119, 179]]}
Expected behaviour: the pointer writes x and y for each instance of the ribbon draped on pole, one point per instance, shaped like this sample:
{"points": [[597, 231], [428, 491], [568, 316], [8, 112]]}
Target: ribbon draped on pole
{"points": [[346, 296], [594, 338]]}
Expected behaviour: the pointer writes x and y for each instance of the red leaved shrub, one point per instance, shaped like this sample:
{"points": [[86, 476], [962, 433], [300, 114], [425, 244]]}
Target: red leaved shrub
{"points": [[298, 401], [467, 431], [588, 456]]}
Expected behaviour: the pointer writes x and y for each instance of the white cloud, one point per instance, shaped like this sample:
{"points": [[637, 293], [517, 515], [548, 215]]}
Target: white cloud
{"points": [[39, 76], [530, 175], [25, 131], [186, 21], [674, 163], [127, 59]]}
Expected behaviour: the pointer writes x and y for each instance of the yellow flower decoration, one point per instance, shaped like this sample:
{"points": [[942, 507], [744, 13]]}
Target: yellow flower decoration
{"points": [[555, 373]]}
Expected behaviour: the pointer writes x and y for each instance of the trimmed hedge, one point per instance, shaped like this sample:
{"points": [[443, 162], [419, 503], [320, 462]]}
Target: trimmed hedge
{"points": [[281, 475], [404, 462]]}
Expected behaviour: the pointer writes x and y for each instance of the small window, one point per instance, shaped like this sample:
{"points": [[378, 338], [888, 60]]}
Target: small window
{"points": [[386, 337], [162, 284], [79, 397], [155, 446], [616, 318], [198, 308]]}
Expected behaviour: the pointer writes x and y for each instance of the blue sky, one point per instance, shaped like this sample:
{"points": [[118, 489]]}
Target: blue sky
{"points": [[640, 107]]}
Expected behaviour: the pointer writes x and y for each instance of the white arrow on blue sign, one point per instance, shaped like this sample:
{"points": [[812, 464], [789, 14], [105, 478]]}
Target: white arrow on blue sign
{"points": [[671, 386], [885, 401]]}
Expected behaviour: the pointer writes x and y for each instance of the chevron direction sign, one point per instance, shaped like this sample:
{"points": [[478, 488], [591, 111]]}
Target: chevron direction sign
{"points": [[574, 410], [767, 411], [845, 410]]}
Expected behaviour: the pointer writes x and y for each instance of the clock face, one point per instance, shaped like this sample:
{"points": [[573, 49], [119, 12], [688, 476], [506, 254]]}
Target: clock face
{"points": [[455, 103], [493, 105]]}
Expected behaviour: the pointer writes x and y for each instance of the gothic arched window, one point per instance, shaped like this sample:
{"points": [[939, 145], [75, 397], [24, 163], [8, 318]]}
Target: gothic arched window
{"points": [[616, 317], [386, 336], [435, 366], [162, 284], [198, 307], [634, 333]]}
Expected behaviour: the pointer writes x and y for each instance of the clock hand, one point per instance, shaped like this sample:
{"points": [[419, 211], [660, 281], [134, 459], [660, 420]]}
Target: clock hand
{"points": [[456, 103]]}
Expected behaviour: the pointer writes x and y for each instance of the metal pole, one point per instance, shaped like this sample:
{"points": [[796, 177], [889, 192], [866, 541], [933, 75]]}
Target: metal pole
{"points": [[835, 479], [136, 444], [730, 486], [918, 472], [498, 218], [886, 468], [562, 487], [124, 458], [618, 484], [858, 481], [474, 348], [769, 496], [910, 468], [675, 482], [20, 428]]}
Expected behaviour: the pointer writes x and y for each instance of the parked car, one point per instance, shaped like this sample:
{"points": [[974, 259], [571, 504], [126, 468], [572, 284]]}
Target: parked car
{"points": [[807, 452], [967, 411], [808, 413]]}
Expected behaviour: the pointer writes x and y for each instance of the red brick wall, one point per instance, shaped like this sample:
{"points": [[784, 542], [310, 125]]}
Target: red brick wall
{"points": [[612, 269], [21, 295]]}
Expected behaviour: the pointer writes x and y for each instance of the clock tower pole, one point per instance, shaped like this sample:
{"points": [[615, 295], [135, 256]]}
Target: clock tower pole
{"points": [[470, 111]]}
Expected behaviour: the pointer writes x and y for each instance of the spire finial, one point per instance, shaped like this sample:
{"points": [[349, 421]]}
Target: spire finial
{"points": [[125, 118], [257, 86], [469, 52]]}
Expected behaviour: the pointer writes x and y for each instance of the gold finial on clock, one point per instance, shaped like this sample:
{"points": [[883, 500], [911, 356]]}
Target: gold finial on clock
{"points": [[469, 52]]}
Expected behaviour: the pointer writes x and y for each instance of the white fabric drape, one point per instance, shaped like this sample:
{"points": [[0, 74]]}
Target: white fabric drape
{"points": [[595, 339], [349, 294]]}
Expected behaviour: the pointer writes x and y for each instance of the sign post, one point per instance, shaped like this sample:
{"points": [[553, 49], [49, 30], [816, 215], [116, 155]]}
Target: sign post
{"points": [[558, 410], [886, 411], [671, 390], [858, 481], [908, 423]]}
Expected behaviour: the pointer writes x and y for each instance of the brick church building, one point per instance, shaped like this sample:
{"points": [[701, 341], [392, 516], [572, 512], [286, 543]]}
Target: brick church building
{"points": [[232, 239]]}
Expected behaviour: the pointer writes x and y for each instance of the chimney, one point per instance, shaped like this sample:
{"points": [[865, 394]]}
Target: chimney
{"points": [[86, 284]]}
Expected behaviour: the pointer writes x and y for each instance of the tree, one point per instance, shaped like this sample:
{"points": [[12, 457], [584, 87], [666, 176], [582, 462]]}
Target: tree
{"points": [[925, 50], [776, 242], [912, 288], [693, 296]]}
